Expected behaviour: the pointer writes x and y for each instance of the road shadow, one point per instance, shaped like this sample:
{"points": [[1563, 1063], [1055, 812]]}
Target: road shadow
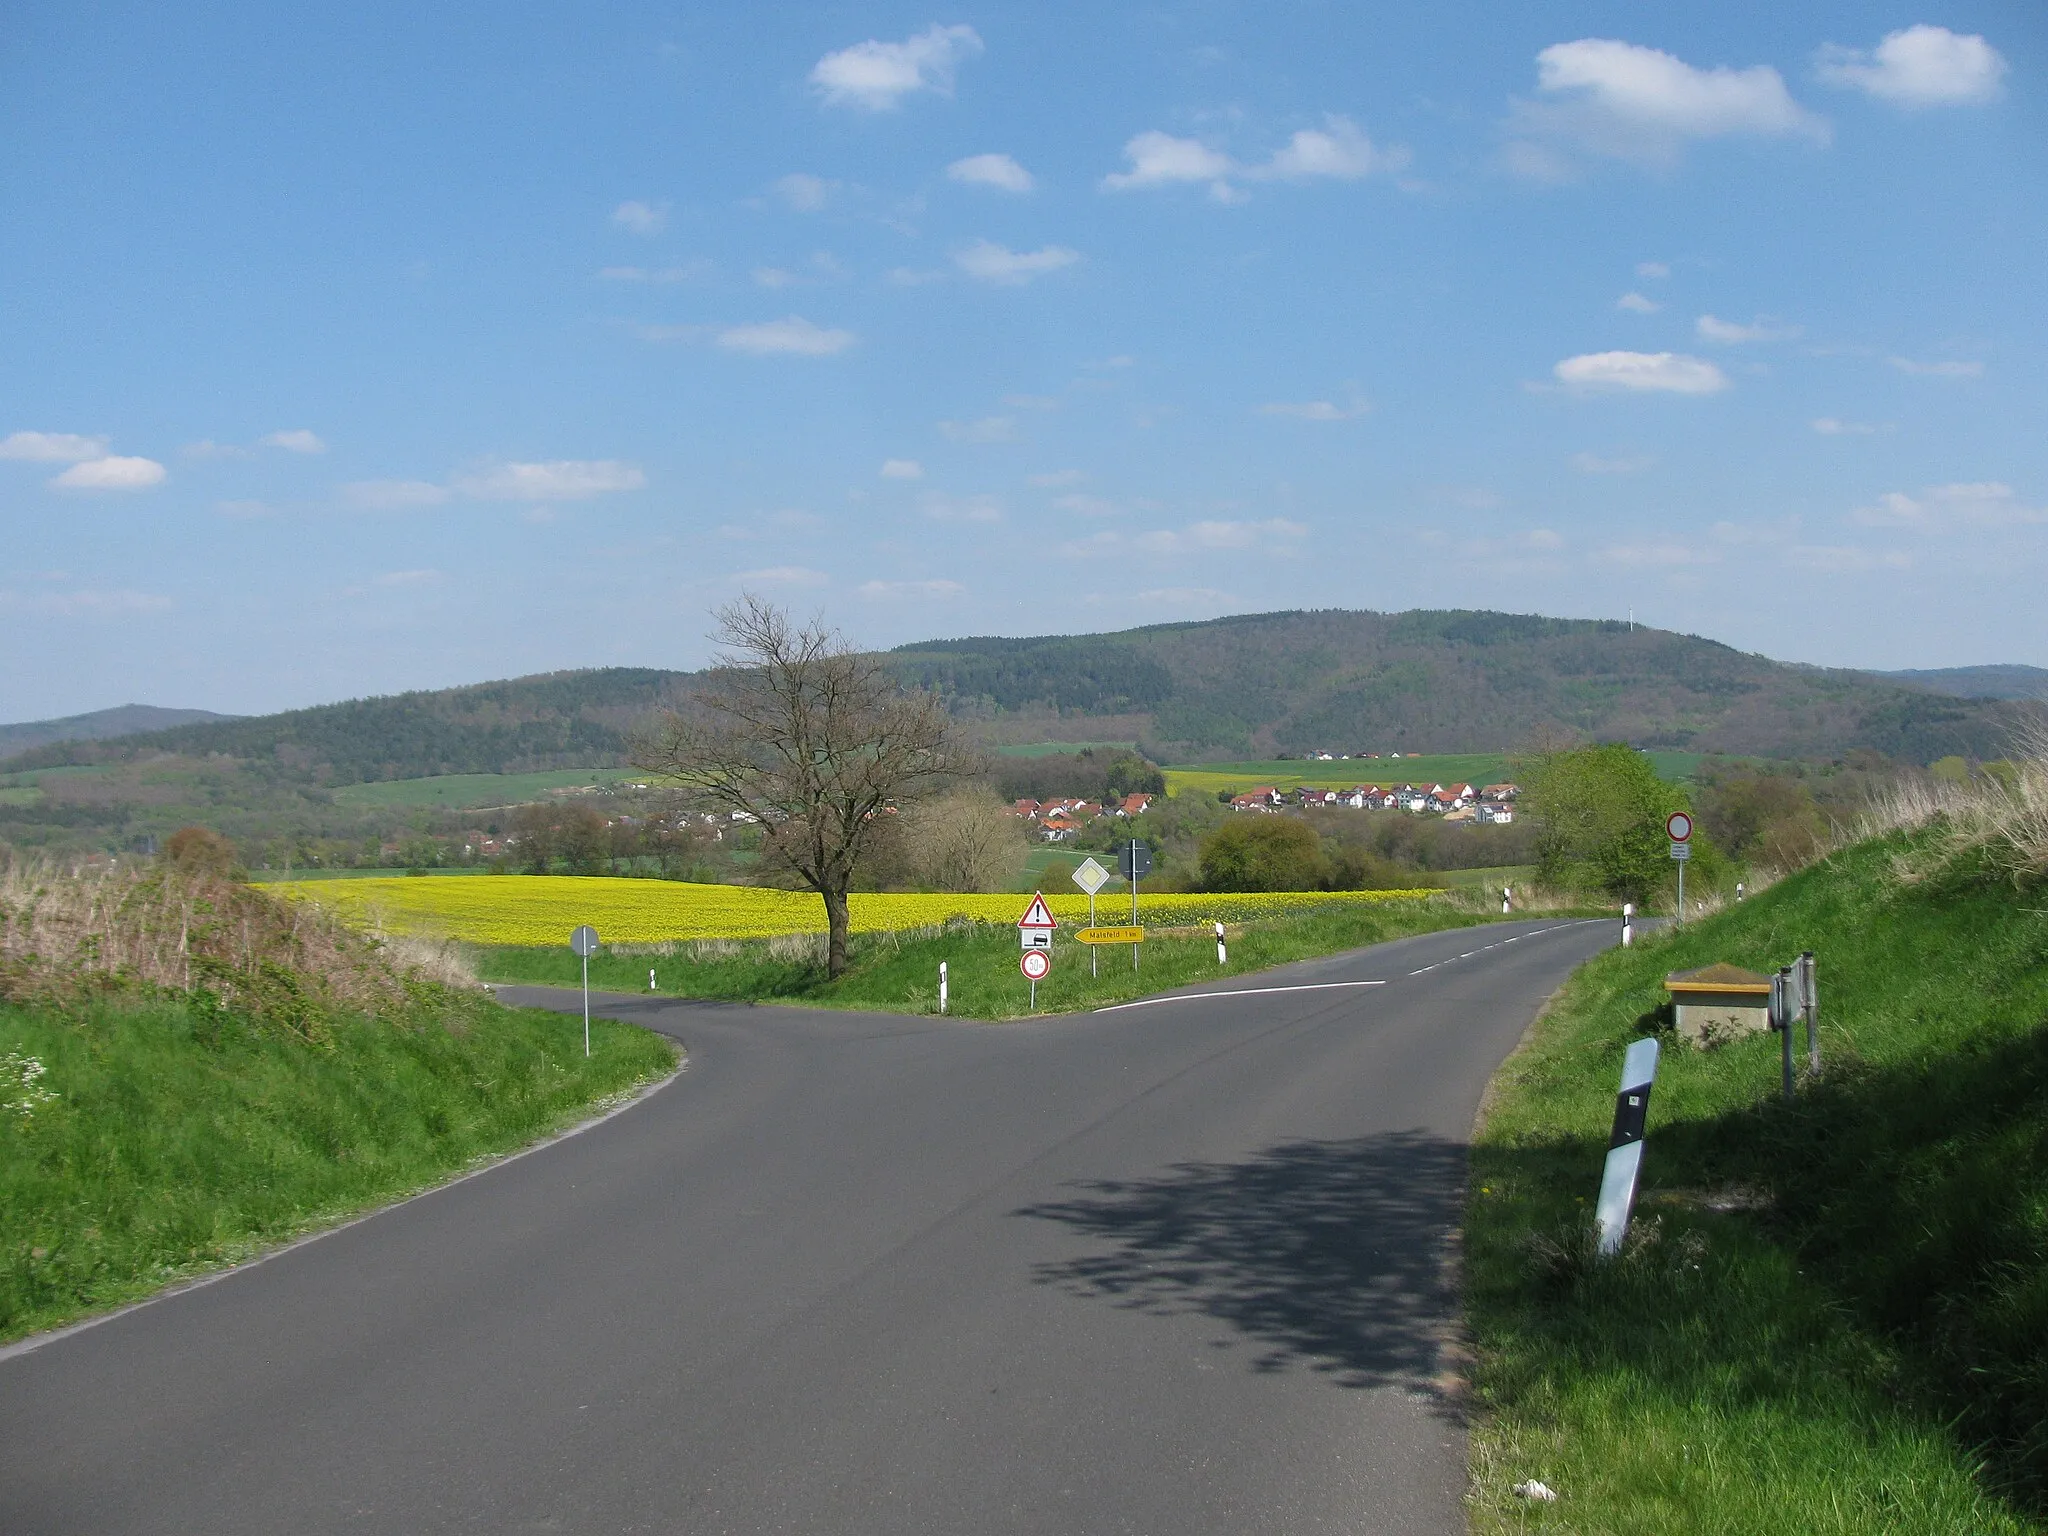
{"points": [[1325, 1256]]}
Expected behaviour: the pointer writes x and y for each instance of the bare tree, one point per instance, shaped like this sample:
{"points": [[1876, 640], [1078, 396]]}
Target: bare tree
{"points": [[810, 739], [967, 840]]}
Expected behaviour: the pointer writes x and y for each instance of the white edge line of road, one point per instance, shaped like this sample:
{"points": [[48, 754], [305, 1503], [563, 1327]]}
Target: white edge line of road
{"points": [[34, 1342], [1577, 922], [1201, 997]]}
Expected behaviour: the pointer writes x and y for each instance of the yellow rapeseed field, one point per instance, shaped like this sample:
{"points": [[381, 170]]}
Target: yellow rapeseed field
{"points": [[541, 909]]}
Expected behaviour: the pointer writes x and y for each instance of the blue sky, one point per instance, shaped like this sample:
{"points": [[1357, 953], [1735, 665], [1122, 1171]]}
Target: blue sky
{"points": [[347, 349]]}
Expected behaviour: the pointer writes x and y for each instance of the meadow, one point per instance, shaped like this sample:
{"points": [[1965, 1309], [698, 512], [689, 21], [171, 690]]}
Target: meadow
{"points": [[542, 909], [1478, 768], [473, 791]]}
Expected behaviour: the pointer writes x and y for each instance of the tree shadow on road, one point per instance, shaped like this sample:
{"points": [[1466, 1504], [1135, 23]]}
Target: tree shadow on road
{"points": [[1331, 1256]]}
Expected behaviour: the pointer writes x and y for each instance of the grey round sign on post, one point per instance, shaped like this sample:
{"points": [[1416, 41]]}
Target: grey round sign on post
{"points": [[583, 941]]}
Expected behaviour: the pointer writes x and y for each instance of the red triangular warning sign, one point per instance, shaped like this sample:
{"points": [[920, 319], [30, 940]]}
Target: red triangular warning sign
{"points": [[1036, 915]]}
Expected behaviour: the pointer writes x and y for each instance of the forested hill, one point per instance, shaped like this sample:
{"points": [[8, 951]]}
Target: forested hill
{"points": [[554, 720], [1229, 688], [121, 720], [1342, 681], [2004, 681]]}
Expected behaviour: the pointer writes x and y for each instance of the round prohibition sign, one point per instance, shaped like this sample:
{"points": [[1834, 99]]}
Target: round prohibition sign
{"points": [[1035, 964], [1679, 825]]}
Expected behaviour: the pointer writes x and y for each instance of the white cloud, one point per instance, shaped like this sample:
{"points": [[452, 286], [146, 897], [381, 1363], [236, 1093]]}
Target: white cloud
{"points": [[1653, 269], [640, 218], [1657, 552], [1084, 505], [1666, 372], [1593, 464], [1728, 333], [794, 336], [1627, 102], [683, 274], [554, 480], [1635, 303], [991, 171], [1058, 477], [784, 576], [1941, 508], [52, 447], [393, 495], [879, 590], [803, 192], [1834, 426], [942, 508], [1920, 66], [1940, 370], [902, 469], [419, 578], [878, 75], [993, 263], [296, 440], [87, 603], [1159, 160], [111, 473], [1317, 410], [1220, 534], [1338, 150], [207, 448], [989, 429], [1846, 557]]}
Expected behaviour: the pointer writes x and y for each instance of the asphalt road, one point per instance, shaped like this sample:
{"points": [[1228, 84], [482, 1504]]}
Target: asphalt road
{"points": [[1176, 1267]]}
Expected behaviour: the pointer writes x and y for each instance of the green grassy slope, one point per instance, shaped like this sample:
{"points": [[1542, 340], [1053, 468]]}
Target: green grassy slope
{"points": [[1834, 1316], [181, 1139]]}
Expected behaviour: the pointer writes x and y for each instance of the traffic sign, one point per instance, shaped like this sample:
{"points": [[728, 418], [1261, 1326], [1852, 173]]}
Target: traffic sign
{"points": [[1681, 851], [1091, 876], [583, 941], [1036, 964], [1679, 826], [1134, 859], [1035, 927], [1110, 936]]}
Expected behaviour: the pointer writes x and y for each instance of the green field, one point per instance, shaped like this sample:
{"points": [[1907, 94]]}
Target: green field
{"points": [[473, 791], [1479, 768], [1051, 748]]}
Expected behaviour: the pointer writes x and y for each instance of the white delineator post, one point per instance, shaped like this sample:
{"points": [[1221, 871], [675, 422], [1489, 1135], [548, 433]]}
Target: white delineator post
{"points": [[942, 986], [1507, 893], [1628, 910], [1625, 1145], [650, 978], [1222, 955]]}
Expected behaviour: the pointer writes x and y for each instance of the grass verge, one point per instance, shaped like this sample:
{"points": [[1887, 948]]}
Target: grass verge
{"points": [[181, 1139], [1832, 1316], [898, 972]]}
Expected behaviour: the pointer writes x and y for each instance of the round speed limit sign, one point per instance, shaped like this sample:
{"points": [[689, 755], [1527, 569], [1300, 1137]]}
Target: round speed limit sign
{"points": [[1035, 964]]}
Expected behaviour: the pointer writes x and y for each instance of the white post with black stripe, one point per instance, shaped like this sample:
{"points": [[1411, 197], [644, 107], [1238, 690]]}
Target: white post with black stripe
{"points": [[1625, 1145]]}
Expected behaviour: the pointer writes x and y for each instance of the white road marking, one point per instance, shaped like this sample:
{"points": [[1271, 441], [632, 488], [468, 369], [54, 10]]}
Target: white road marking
{"points": [[1196, 997]]}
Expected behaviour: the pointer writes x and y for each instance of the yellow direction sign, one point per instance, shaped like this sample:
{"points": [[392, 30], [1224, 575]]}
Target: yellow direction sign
{"points": [[1111, 936]]}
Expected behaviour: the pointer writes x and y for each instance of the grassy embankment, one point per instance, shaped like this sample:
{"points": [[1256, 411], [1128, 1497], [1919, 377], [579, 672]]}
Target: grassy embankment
{"points": [[190, 1072], [898, 972], [1832, 1315]]}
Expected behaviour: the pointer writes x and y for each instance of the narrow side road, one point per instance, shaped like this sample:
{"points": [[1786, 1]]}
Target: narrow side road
{"points": [[1178, 1266]]}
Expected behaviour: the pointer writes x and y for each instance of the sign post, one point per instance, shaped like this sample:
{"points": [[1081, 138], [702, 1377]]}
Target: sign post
{"points": [[1625, 1146], [1679, 826], [1809, 1002], [1034, 933], [583, 942], [1091, 877], [1134, 862]]}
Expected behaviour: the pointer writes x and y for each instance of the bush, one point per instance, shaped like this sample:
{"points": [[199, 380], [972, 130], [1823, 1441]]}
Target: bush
{"points": [[1264, 853]]}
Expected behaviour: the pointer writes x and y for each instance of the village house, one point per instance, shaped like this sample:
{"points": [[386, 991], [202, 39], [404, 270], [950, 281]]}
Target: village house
{"points": [[1263, 798], [1499, 792], [1133, 805]]}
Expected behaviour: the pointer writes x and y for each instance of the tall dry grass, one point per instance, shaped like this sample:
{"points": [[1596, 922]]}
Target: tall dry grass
{"points": [[68, 932], [2001, 818]]}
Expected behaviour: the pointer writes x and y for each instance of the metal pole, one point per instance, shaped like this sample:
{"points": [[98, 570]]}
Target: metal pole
{"points": [[586, 1005], [1681, 893], [1781, 1015], [1134, 914], [1094, 961], [1811, 1001]]}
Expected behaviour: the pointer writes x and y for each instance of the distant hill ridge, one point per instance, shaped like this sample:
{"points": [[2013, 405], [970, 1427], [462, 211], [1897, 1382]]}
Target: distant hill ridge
{"points": [[1999, 681], [1248, 686], [121, 720]]}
